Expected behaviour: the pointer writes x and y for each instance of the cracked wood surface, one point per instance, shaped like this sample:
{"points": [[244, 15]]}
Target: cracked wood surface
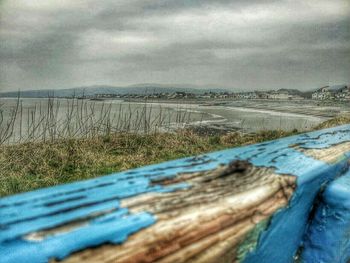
{"points": [[220, 208], [330, 154]]}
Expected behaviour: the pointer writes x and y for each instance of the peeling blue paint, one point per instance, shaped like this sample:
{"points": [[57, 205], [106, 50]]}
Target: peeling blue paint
{"points": [[328, 237], [288, 226], [112, 230], [50, 207]]}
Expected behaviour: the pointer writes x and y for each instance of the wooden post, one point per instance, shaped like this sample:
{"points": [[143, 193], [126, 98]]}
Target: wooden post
{"points": [[248, 204]]}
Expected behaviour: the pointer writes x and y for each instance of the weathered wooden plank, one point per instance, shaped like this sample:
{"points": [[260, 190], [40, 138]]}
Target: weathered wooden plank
{"points": [[200, 209], [219, 202], [328, 236]]}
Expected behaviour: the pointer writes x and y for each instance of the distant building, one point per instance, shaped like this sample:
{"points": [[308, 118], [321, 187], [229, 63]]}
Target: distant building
{"points": [[284, 94], [263, 95], [279, 95], [332, 92], [323, 93], [343, 93], [247, 95]]}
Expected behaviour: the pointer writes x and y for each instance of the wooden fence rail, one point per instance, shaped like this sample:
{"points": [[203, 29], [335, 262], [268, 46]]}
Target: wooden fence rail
{"points": [[268, 202]]}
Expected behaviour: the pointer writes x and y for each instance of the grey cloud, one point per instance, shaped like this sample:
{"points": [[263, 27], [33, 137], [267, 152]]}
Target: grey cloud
{"points": [[127, 42]]}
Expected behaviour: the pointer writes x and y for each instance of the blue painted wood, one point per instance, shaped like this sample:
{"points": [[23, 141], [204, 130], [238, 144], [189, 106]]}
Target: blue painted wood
{"points": [[328, 237], [26, 213]]}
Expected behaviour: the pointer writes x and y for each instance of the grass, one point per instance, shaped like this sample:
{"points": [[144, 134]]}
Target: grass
{"points": [[28, 166], [52, 119], [340, 120]]}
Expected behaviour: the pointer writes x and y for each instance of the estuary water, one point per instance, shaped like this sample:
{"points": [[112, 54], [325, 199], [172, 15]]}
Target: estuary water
{"points": [[42, 118]]}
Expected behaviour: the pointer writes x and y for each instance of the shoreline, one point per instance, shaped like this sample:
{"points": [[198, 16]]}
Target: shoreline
{"points": [[269, 105], [231, 104]]}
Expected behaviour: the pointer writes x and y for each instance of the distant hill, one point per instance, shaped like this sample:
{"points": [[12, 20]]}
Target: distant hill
{"points": [[102, 89], [147, 88], [304, 94], [291, 91]]}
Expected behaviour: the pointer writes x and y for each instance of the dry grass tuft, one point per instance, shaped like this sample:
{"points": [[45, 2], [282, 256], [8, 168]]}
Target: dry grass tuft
{"points": [[340, 120], [238, 139]]}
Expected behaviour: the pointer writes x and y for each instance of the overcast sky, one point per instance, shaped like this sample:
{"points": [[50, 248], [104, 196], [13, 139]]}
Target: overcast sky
{"points": [[243, 44]]}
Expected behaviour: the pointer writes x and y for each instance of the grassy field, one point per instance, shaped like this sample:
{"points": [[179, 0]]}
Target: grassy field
{"points": [[29, 166]]}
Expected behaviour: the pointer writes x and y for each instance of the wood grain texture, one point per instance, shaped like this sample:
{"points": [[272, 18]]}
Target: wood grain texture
{"points": [[329, 155], [203, 224]]}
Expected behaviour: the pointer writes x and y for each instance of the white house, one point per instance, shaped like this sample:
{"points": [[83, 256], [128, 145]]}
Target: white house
{"points": [[339, 92]]}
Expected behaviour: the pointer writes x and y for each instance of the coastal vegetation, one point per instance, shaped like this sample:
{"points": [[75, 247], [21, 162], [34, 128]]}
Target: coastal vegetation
{"points": [[31, 165], [53, 119]]}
